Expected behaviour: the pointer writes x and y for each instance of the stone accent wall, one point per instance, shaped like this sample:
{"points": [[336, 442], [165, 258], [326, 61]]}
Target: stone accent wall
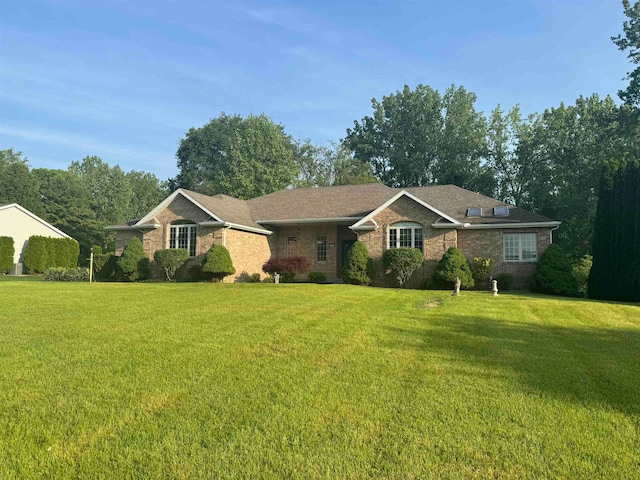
{"points": [[488, 244], [248, 251], [435, 241]]}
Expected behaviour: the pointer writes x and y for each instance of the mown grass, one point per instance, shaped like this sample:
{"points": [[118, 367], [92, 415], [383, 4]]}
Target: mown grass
{"points": [[304, 381]]}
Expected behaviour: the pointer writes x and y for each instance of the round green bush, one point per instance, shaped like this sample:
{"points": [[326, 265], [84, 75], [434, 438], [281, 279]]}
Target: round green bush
{"points": [[505, 281], [217, 263], [317, 277], [453, 265], [356, 266], [554, 274]]}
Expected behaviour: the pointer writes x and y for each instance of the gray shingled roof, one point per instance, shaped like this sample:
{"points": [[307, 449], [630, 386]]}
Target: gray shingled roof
{"points": [[353, 201], [320, 202], [229, 209], [454, 201]]}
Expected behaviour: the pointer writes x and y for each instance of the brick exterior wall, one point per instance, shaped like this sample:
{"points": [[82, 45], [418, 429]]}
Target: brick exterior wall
{"points": [[488, 244], [248, 251], [435, 241], [305, 245]]}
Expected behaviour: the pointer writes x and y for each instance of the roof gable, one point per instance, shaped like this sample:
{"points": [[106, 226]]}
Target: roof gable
{"points": [[34, 217], [395, 198]]}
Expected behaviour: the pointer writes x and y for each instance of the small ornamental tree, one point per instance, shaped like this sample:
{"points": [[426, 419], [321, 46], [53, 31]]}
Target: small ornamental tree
{"points": [[454, 265], [134, 263], [554, 273], [581, 270], [481, 272], [288, 267], [402, 262], [6, 254], [217, 263], [355, 269], [171, 260]]}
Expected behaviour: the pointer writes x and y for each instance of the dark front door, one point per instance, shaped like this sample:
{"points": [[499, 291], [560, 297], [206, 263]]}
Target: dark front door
{"points": [[344, 248]]}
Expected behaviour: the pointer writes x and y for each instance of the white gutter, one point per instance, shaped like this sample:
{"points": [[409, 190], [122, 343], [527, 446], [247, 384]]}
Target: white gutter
{"points": [[236, 226], [144, 226], [551, 233], [364, 228], [483, 226], [310, 220]]}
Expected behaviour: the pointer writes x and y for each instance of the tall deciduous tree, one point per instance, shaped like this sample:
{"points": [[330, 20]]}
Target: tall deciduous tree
{"points": [[17, 185], [244, 157], [418, 137], [630, 40], [322, 166]]}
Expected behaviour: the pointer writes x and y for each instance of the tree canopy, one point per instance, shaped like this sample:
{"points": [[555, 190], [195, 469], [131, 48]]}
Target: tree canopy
{"points": [[630, 40], [244, 157]]}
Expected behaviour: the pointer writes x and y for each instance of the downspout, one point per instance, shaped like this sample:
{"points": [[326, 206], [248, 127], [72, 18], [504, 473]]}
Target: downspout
{"points": [[551, 233]]}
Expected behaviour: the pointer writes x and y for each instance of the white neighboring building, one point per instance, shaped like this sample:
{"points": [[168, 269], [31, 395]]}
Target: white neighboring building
{"points": [[20, 224]]}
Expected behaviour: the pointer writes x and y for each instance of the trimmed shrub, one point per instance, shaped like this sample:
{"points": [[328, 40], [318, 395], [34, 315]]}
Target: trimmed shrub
{"points": [[581, 270], [554, 274], [505, 281], [356, 266], [402, 262], [63, 274], [35, 254], [217, 263], [6, 254], [97, 250], [287, 267], [46, 252], [453, 265], [317, 277], [482, 272], [104, 265], [134, 263], [255, 277], [171, 260]]}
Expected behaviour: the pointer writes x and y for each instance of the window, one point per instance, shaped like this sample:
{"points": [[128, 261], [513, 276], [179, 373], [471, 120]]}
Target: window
{"points": [[321, 248], [474, 212], [290, 246], [183, 236], [520, 247], [501, 211], [405, 234]]}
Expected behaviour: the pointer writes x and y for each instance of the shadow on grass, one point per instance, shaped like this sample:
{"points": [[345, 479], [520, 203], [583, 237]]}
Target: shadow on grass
{"points": [[587, 366]]}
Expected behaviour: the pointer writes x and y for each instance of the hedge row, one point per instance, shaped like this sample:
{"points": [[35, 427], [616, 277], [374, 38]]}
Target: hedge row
{"points": [[6, 254], [46, 252]]}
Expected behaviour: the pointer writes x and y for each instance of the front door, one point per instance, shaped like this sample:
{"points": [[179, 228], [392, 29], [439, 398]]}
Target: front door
{"points": [[344, 248]]}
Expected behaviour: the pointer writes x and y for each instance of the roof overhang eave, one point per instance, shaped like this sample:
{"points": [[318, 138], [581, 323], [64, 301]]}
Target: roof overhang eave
{"points": [[485, 226], [236, 226], [296, 221]]}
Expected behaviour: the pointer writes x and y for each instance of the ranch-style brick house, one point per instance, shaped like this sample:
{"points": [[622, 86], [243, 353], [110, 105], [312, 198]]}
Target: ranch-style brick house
{"points": [[322, 223]]}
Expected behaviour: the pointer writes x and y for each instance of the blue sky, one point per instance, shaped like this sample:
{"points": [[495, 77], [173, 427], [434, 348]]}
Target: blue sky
{"points": [[125, 80]]}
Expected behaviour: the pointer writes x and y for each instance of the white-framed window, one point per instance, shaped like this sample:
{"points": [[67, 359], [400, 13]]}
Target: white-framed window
{"points": [[290, 246], [405, 234], [183, 235], [321, 248], [520, 247]]}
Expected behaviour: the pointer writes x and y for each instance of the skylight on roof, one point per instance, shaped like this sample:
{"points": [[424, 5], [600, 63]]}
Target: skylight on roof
{"points": [[501, 211], [474, 212]]}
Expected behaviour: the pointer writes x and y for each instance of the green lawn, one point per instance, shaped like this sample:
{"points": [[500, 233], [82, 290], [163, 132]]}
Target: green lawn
{"points": [[304, 381]]}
